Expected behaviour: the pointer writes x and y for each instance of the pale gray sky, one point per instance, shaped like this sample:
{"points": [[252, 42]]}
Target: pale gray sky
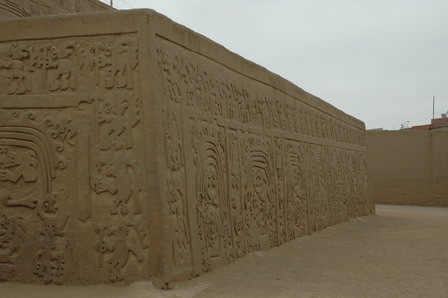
{"points": [[378, 60]]}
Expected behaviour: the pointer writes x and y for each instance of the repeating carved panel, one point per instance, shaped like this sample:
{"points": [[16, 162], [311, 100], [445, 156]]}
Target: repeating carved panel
{"points": [[211, 194], [296, 187], [234, 161], [94, 133], [179, 238], [73, 198], [68, 66], [260, 206], [266, 167], [36, 152]]}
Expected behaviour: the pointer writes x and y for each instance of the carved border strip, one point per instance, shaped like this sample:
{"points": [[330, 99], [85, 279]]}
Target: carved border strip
{"points": [[273, 132], [257, 80]]}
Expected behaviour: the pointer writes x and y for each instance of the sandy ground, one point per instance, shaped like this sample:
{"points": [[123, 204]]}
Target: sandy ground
{"points": [[400, 252]]}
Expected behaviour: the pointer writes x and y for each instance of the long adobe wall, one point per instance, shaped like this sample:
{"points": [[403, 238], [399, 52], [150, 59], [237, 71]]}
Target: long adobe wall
{"points": [[31, 8], [408, 167], [132, 147]]}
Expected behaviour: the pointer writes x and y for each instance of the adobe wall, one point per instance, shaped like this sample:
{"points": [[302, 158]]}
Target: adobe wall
{"points": [[132, 147], [408, 167], [30, 8]]}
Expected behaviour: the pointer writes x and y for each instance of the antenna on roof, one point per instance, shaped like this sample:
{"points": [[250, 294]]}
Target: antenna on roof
{"points": [[433, 104]]}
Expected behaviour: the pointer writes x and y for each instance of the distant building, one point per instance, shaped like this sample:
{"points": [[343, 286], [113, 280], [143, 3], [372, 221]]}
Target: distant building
{"points": [[436, 124], [422, 127], [439, 123]]}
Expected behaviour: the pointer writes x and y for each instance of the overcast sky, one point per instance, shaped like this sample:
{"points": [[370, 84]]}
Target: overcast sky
{"points": [[381, 61]]}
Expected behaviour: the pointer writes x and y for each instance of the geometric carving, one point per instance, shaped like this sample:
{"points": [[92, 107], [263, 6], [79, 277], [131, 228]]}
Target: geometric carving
{"points": [[297, 203], [30, 154], [114, 176], [42, 148], [274, 183], [68, 65], [49, 261], [179, 244], [141, 149], [24, 147], [11, 238], [119, 243], [235, 194], [258, 193], [212, 206]]}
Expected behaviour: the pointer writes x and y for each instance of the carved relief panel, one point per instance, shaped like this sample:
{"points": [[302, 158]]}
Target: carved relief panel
{"points": [[36, 150], [55, 67], [237, 205], [212, 204], [339, 202], [70, 163], [179, 256], [252, 187], [296, 190], [280, 192], [227, 160], [260, 199]]}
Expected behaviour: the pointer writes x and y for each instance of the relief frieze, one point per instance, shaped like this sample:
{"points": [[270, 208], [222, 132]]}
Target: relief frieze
{"points": [[68, 65], [265, 167]]}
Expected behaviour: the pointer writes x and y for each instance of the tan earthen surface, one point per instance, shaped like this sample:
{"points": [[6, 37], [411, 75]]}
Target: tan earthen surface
{"points": [[32, 8], [132, 147], [408, 167], [398, 253]]}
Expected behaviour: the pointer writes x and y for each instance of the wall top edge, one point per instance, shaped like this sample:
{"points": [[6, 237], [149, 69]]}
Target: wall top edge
{"points": [[125, 21]]}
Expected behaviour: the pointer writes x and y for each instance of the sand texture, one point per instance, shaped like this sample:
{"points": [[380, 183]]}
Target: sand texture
{"points": [[400, 252]]}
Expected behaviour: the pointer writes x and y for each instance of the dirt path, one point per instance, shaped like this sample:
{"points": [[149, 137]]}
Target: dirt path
{"points": [[400, 252]]}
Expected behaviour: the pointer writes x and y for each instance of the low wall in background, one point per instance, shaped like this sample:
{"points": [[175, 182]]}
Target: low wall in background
{"points": [[408, 167]]}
